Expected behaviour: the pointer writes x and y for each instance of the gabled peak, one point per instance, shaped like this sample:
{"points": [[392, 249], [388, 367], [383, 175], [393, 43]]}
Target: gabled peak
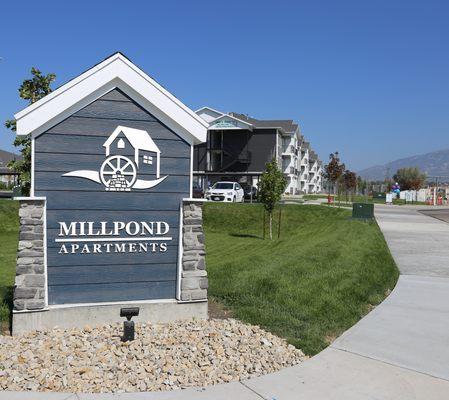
{"points": [[228, 121], [116, 71], [208, 113]]}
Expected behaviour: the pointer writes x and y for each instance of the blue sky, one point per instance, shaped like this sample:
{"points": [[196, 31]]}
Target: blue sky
{"points": [[367, 78]]}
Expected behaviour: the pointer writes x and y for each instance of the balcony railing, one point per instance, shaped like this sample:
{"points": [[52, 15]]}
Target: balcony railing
{"points": [[289, 150], [243, 157]]}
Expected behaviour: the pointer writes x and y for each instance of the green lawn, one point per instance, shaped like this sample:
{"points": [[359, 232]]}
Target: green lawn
{"points": [[314, 196], [320, 278], [9, 228]]}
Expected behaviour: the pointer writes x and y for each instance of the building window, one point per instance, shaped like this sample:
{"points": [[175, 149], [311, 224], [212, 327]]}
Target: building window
{"points": [[121, 144], [147, 160]]}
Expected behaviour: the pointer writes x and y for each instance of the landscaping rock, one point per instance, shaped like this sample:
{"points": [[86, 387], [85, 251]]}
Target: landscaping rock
{"points": [[163, 357]]}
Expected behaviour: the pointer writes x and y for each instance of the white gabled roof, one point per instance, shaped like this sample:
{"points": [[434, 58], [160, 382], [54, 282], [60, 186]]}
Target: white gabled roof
{"points": [[208, 113], [138, 138], [239, 123], [212, 111], [116, 71]]}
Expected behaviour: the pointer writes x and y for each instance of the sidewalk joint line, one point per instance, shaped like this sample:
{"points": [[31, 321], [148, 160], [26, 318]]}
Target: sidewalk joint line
{"points": [[252, 390], [389, 363]]}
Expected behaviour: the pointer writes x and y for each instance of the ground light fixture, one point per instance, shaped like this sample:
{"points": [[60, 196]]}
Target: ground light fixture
{"points": [[128, 325]]}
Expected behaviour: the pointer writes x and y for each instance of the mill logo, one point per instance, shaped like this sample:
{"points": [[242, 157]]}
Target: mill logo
{"points": [[128, 151]]}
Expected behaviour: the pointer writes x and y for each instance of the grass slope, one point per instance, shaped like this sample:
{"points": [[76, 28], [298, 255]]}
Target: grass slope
{"points": [[9, 231], [319, 279]]}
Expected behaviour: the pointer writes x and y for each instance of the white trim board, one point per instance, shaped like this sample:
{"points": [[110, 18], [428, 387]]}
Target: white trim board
{"points": [[191, 172], [180, 252], [30, 198], [114, 72], [45, 255], [195, 200], [111, 303], [32, 169], [210, 109]]}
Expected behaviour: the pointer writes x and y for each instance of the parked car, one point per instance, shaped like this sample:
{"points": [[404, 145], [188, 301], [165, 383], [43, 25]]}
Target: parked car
{"points": [[250, 192], [197, 192], [225, 191]]}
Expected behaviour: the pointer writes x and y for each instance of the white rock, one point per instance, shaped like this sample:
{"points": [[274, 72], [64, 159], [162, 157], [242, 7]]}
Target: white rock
{"points": [[163, 357]]}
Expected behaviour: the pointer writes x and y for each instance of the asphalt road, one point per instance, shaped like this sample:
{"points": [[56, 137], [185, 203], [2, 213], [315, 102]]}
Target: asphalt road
{"points": [[441, 214]]}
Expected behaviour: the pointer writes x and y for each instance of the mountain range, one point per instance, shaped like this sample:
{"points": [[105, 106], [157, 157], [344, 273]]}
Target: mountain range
{"points": [[433, 164]]}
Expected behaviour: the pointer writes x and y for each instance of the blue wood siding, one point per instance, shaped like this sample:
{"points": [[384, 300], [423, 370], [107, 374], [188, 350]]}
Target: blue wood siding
{"points": [[77, 144]]}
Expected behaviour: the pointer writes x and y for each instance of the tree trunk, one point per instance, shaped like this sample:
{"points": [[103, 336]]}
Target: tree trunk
{"points": [[271, 226], [279, 225], [263, 224]]}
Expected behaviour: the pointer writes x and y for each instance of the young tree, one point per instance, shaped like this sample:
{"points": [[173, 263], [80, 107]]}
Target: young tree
{"points": [[31, 90], [409, 178], [334, 170], [272, 184], [361, 185], [350, 181]]}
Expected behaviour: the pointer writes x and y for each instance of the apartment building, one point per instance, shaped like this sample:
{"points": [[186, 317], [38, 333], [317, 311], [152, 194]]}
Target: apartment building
{"points": [[315, 173], [238, 148], [7, 176]]}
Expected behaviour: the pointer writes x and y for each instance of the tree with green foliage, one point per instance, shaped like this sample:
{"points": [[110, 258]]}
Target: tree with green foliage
{"points": [[31, 90], [271, 185], [410, 178]]}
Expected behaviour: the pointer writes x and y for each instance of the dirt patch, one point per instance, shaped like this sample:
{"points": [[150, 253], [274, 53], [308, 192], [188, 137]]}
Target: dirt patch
{"points": [[5, 328], [217, 310]]}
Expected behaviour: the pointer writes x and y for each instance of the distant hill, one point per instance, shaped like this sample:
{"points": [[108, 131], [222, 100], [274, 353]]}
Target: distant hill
{"points": [[433, 164]]}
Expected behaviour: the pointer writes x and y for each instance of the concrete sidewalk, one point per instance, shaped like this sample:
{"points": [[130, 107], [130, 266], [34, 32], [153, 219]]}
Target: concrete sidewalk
{"points": [[399, 351]]}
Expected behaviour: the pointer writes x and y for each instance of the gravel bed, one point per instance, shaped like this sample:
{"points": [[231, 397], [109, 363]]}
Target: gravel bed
{"points": [[163, 357]]}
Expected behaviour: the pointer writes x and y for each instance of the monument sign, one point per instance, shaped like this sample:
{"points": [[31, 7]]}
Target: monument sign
{"points": [[110, 219]]}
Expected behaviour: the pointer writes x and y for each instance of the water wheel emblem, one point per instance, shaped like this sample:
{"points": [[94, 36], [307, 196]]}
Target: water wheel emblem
{"points": [[118, 173]]}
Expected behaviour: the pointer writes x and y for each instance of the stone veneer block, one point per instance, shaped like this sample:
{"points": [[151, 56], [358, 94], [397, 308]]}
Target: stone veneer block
{"points": [[194, 281], [29, 290]]}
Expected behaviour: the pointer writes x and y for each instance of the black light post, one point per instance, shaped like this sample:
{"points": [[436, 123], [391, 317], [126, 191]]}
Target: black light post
{"points": [[128, 325]]}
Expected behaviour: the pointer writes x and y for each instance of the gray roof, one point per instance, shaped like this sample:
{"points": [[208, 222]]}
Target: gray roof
{"points": [[312, 156], [6, 157], [7, 171], [286, 124]]}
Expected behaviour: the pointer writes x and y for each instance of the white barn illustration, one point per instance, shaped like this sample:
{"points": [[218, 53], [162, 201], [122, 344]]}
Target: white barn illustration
{"points": [[141, 142]]}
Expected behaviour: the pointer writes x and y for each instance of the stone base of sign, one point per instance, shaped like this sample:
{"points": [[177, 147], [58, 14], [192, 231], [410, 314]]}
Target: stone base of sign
{"points": [[194, 281], [94, 315], [29, 292]]}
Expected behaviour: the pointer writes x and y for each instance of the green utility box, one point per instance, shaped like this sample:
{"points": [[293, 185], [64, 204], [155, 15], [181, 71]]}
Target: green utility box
{"points": [[363, 210], [379, 195]]}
